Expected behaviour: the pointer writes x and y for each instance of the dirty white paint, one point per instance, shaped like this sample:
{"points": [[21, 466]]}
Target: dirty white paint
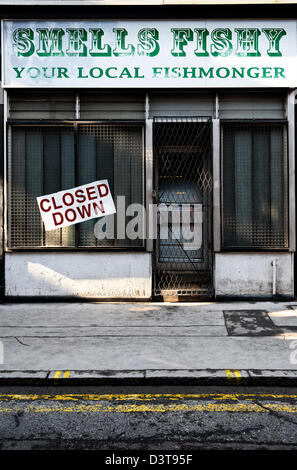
{"points": [[251, 274], [98, 275], [129, 275]]}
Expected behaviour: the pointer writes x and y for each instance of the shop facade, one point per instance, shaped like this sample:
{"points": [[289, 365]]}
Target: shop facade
{"points": [[191, 122]]}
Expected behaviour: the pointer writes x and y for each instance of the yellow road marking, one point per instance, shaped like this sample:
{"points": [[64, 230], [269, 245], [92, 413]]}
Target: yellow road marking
{"points": [[229, 374], [66, 374], [151, 407], [233, 373], [237, 375], [143, 396], [213, 402]]}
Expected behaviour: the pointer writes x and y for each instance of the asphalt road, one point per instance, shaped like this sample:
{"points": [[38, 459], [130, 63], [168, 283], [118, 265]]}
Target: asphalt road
{"points": [[148, 418]]}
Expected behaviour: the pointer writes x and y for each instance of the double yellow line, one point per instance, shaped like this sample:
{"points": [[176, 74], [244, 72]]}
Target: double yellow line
{"points": [[65, 374], [143, 403], [233, 374]]}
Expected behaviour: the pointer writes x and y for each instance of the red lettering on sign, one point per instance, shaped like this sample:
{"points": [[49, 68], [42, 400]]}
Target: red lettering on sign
{"points": [[91, 191], [84, 212], [98, 208], [75, 205], [72, 211], [54, 204], [56, 222], [71, 199], [41, 205], [101, 191], [79, 194]]}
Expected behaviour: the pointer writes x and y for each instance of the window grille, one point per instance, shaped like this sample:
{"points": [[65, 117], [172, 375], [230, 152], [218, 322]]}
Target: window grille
{"points": [[46, 159], [255, 185]]}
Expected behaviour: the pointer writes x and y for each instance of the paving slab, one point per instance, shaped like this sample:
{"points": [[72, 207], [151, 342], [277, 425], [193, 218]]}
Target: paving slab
{"points": [[148, 341], [83, 331], [284, 317], [105, 314], [289, 334], [118, 353]]}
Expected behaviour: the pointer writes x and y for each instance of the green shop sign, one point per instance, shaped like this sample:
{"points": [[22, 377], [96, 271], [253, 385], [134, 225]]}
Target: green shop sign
{"points": [[149, 54]]}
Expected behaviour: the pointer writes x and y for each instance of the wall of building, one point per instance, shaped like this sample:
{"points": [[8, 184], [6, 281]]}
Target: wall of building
{"points": [[129, 275], [120, 275], [91, 275], [251, 274]]}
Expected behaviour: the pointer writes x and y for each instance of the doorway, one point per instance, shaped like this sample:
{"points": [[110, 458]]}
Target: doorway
{"points": [[183, 191]]}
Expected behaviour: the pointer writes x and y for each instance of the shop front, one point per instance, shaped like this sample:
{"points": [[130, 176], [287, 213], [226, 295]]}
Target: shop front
{"points": [[191, 123]]}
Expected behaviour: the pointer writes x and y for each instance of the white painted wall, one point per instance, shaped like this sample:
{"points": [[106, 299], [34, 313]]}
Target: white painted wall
{"points": [[250, 274], [122, 275], [129, 275]]}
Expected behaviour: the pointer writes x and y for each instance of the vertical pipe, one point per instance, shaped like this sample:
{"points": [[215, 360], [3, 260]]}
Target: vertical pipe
{"points": [[273, 278]]}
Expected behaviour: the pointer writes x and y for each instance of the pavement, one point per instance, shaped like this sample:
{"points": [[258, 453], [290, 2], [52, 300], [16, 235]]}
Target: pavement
{"points": [[208, 343]]}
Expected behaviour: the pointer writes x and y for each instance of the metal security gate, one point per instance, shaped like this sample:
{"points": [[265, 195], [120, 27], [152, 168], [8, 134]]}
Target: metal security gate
{"points": [[183, 191]]}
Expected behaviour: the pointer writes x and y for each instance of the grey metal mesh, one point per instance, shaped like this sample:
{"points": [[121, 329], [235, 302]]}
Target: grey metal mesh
{"points": [[41, 162], [255, 185], [113, 152], [183, 152], [48, 159]]}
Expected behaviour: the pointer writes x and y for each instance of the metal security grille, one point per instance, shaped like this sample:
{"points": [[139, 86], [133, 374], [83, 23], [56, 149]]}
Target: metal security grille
{"points": [[46, 159], [255, 185], [41, 161], [115, 152], [182, 148]]}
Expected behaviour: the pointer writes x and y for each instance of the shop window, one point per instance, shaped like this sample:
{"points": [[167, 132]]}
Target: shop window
{"points": [[45, 159], [254, 186]]}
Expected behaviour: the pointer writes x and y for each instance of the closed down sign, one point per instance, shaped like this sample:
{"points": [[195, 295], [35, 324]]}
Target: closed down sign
{"points": [[76, 205]]}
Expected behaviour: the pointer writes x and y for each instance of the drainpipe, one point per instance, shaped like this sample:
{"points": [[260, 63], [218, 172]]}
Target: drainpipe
{"points": [[273, 279]]}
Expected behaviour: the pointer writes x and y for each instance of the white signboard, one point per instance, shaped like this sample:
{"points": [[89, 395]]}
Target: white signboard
{"points": [[76, 205], [150, 53]]}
